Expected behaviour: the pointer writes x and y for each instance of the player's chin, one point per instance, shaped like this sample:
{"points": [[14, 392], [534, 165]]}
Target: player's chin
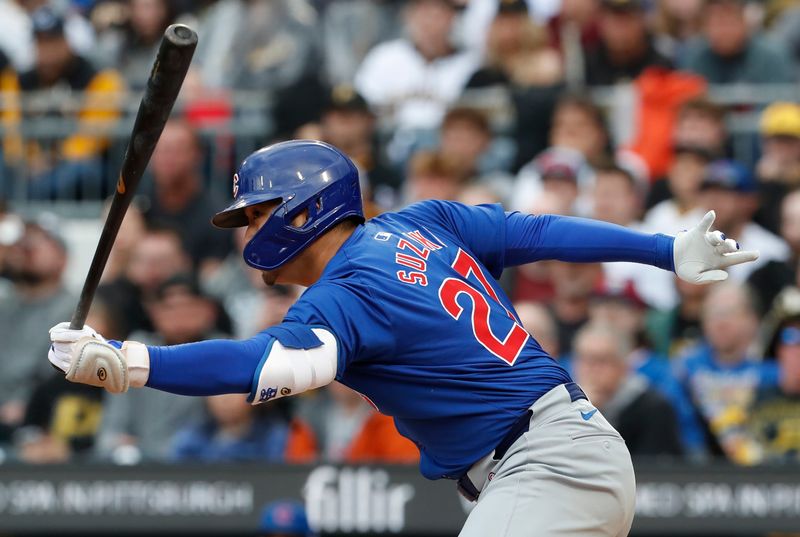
{"points": [[270, 277]]}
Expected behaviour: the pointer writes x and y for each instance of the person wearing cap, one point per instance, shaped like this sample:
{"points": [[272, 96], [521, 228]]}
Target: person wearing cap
{"points": [[728, 53], [626, 47], [34, 264], [412, 80], [778, 169], [731, 190], [348, 123], [58, 170], [774, 418]]}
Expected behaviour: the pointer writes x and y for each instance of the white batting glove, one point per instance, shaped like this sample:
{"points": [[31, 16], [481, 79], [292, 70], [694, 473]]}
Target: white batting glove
{"points": [[86, 357], [700, 254]]}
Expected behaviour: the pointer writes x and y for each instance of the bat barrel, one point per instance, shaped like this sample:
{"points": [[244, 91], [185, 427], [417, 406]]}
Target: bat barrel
{"points": [[169, 70]]}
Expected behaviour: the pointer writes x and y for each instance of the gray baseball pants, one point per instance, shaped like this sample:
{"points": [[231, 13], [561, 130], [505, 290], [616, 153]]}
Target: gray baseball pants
{"points": [[569, 475]]}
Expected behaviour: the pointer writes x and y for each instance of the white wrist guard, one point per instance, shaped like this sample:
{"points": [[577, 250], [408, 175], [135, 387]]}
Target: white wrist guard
{"points": [[288, 371], [97, 363]]}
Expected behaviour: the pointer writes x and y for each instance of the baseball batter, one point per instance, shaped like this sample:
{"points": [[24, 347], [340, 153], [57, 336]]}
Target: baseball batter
{"points": [[406, 309]]}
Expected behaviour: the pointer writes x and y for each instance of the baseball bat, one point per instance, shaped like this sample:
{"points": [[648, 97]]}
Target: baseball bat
{"points": [[166, 77]]}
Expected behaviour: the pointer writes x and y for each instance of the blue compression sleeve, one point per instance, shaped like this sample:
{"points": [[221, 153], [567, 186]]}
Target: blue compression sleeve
{"points": [[207, 367], [534, 238]]}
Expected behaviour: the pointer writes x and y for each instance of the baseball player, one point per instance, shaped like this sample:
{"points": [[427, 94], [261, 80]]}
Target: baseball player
{"points": [[406, 309]]}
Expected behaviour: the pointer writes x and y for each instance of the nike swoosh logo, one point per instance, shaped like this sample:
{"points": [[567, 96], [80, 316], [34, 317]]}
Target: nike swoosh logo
{"points": [[587, 415]]}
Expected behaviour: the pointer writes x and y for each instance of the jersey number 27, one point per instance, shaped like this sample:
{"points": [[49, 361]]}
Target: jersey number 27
{"points": [[507, 349]]}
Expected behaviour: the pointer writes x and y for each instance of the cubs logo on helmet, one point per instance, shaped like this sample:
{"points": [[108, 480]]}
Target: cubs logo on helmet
{"points": [[305, 175]]}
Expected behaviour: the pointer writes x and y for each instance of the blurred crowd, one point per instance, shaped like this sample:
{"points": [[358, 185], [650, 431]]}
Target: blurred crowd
{"points": [[479, 101]]}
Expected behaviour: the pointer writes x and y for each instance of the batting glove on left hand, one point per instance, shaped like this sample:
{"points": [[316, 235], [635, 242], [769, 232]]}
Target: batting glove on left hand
{"points": [[700, 254]]}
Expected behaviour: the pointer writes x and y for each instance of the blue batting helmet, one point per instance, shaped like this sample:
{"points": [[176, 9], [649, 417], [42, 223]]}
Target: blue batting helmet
{"points": [[305, 175]]}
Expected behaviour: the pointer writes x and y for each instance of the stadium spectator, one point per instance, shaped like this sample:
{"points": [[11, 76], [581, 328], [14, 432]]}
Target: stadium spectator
{"points": [[572, 287], [730, 189], [574, 29], [774, 418], [675, 330], [721, 376], [622, 309], [775, 275], [617, 198], [517, 52], [520, 70], [350, 28], [626, 47], [579, 124], [778, 169], [349, 429], [348, 124], [63, 418], [701, 124], [561, 172], [236, 431], [411, 81], [466, 136], [681, 206], [131, 46], [271, 42], [137, 424], [676, 23], [66, 167], [538, 321], [181, 201], [157, 256], [34, 265], [728, 52], [643, 417], [433, 175]]}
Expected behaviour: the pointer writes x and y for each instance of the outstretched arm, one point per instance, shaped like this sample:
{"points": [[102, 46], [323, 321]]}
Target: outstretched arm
{"points": [[284, 360], [698, 255]]}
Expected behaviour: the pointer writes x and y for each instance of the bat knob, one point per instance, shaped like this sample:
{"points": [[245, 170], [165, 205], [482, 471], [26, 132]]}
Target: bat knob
{"points": [[181, 35]]}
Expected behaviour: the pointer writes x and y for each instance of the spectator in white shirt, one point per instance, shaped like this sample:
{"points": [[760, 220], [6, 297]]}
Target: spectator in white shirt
{"points": [[411, 81], [731, 190], [683, 180]]}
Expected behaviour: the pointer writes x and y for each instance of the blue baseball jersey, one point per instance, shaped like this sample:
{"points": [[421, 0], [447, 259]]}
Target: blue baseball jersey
{"points": [[424, 330], [427, 334]]}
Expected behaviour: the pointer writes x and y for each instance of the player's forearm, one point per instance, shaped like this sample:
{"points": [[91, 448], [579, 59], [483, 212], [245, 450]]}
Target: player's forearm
{"points": [[535, 238], [207, 367]]}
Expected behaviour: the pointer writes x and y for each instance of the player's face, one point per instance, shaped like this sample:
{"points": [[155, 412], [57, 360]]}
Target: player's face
{"points": [[257, 215]]}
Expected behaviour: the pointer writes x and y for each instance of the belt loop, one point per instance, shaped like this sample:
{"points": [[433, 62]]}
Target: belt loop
{"points": [[575, 391]]}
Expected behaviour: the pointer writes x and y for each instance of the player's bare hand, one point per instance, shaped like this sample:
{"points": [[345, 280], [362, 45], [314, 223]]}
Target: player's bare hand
{"points": [[701, 255], [86, 357]]}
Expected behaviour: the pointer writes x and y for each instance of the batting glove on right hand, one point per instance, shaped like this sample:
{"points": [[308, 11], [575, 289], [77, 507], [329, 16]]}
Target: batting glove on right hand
{"points": [[700, 254], [86, 357]]}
